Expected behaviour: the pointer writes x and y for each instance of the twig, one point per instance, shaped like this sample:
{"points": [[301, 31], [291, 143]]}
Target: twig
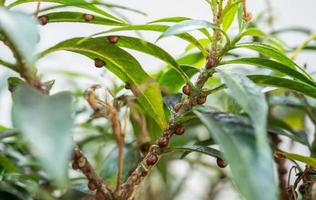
{"points": [[120, 139], [80, 162], [281, 167], [195, 96], [38, 5]]}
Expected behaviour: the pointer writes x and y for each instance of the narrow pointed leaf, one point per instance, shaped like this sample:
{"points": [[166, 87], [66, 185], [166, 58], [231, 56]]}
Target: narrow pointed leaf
{"points": [[123, 65], [272, 52], [251, 99], [239, 146], [229, 17], [78, 3], [151, 49], [292, 156], [169, 19], [262, 62], [187, 26], [18, 26], [196, 148], [50, 129], [157, 28], [284, 83], [67, 16], [181, 19]]}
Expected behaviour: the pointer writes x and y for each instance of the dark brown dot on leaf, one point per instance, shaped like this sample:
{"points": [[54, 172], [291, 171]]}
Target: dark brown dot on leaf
{"points": [[221, 163], [179, 130], [186, 89], [127, 86], [113, 39], [201, 100], [99, 63], [43, 20], [163, 142], [92, 186], [152, 159], [88, 17]]}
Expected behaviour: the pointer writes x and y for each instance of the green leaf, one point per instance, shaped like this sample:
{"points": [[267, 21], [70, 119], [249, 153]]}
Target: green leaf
{"points": [[171, 81], [278, 126], [248, 162], [123, 65], [157, 28], [170, 19], [196, 148], [108, 169], [287, 100], [50, 132], [78, 3], [151, 49], [271, 52], [229, 17], [14, 82], [262, 62], [303, 30], [187, 26], [284, 83], [253, 32], [252, 100], [7, 164], [18, 26], [292, 156], [68, 16], [181, 19]]}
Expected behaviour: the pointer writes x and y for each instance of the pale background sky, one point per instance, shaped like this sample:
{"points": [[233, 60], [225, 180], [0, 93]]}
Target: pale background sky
{"points": [[287, 12]]}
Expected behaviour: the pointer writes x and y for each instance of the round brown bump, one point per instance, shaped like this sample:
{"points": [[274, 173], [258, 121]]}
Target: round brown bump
{"points": [[43, 20], [99, 63], [179, 130], [152, 159], [221, 163], [92, 186], [134, 176], [81, 162], [177, 107], [127, 86], [163, 142], [186, 89], [88, 17], [247, 16], [211, 62], [201, 100], [113, 39]]}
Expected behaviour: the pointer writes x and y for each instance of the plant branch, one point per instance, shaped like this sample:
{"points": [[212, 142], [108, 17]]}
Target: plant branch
{"points": [[195, 96], [120, 139], [38, 5], [80, 162]]}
